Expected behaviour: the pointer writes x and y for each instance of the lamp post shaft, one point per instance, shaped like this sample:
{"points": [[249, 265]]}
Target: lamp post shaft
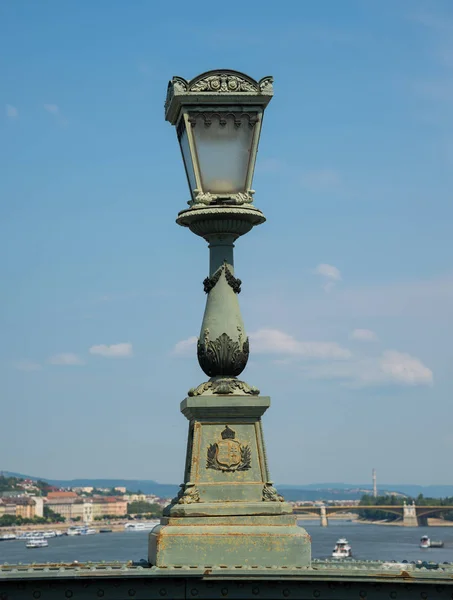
{"points": [[221, 251]]}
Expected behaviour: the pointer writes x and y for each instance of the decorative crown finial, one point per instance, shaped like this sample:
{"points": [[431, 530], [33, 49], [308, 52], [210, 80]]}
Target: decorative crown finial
{"points": [[228, 434]]}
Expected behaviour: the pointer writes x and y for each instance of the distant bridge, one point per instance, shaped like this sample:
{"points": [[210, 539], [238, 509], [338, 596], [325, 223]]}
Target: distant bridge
{"points": [[411, 515]]}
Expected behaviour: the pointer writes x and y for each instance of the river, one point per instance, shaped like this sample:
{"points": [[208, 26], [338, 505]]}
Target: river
{"points": [[368, 542]]}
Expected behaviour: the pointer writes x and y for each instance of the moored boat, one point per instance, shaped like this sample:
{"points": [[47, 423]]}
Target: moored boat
{"points": [[141, 526], [37, 542], [342, 549], [8, 536]]}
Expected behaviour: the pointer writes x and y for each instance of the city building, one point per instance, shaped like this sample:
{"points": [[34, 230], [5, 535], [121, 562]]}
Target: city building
{"points": [[109, 506], [26, 507]]}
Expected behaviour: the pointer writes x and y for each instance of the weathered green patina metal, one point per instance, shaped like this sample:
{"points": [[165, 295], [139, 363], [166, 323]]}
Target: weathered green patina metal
{"points": [[324, 580], [227, 512]]}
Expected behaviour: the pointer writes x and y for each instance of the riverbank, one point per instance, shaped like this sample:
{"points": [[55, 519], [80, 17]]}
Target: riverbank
{"points": [[431, 523], [114, 526]]}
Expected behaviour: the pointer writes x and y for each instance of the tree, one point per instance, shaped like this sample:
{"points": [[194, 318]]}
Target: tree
{"points": [[380, 515], [53, 517], [140, 507], [7, 520]]}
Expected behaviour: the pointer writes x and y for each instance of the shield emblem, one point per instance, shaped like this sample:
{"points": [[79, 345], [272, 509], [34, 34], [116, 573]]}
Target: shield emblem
{"points": [[228, 453]]}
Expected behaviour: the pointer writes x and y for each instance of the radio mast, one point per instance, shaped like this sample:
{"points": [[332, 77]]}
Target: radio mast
{"points": [[374, 484]]}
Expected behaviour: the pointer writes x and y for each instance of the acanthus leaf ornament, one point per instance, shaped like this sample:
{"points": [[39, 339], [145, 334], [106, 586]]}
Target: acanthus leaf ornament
{"points": [[228, 454], [223, 356], [223, 386]]}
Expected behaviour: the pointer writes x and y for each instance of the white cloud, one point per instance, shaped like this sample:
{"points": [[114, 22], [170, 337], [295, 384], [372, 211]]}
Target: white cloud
{"points": [[27, 365], [185, 347], [112, 351], [364, 335], [65, 358], [391, 368], [11, 112], [54, 109], [330, 274], [274, 341], [404, 368]]}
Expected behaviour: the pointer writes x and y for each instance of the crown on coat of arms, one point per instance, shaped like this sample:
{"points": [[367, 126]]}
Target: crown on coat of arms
{"points": [[228, 434]]}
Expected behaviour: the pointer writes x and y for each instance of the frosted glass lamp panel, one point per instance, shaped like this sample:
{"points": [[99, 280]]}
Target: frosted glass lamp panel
{"points": [[187, 157], [223, 150]]}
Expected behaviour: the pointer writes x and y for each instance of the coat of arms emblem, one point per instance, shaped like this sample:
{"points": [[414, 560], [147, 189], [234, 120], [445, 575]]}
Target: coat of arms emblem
{"points": [[228, 454]]}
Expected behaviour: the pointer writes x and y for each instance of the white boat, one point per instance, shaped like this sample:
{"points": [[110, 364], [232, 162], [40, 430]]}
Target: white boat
{"points": [[81, 530], [8, 536], [425, 542], [37, 542], [48, 534], [342, 549], [141, 526]]}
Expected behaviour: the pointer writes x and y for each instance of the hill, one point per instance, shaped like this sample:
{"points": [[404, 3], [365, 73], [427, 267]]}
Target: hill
{"points": [[311, 491]]}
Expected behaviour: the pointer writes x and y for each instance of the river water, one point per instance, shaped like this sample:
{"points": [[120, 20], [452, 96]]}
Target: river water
{"points": [[368, 542]]}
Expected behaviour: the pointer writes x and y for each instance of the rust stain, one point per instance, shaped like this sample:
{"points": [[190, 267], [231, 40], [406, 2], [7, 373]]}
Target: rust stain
{"points": [[260, 450]]}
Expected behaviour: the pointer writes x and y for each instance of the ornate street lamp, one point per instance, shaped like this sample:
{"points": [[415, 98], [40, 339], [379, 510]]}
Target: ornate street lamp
{"points": [[227, 511]]}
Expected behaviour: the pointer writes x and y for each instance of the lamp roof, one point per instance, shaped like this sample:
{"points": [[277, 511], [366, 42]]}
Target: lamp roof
{"points": [[215, 88]]}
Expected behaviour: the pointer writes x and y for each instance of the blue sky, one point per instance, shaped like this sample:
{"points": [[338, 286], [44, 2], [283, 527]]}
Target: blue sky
{"points": [[348, 287]]}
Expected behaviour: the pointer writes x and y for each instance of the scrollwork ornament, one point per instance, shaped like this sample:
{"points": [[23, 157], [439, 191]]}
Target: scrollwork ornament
{"points": [[270, 494], [243, 197], [223, 83], [203, 197], [266, 85], [190, 495]]}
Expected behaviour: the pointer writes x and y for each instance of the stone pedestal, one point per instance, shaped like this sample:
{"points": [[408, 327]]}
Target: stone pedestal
{"points": [[227, 513]]}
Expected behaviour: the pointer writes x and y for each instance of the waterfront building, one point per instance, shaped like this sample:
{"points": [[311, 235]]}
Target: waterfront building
{"points": [[71, 506], [23, 506], [109, 506]]}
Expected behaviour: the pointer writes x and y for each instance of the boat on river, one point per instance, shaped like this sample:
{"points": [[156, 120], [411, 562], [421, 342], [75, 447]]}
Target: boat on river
{"points": [[426, 542], [342, 549], [80, 530], [141, 526], [7, 536], [37, 542]]}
